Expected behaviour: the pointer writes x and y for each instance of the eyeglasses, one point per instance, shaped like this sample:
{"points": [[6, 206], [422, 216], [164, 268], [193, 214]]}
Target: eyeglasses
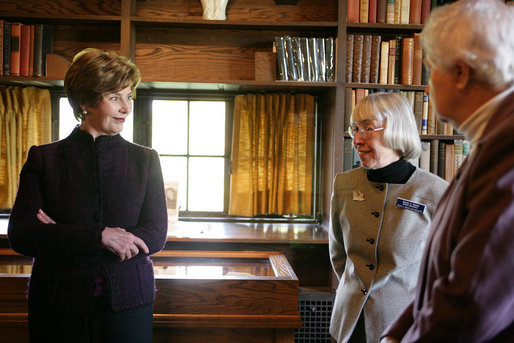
{"points": [[366, 132]]}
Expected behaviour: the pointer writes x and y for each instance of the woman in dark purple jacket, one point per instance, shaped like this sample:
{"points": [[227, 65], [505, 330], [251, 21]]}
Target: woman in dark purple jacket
{"points": [[90, 209]]}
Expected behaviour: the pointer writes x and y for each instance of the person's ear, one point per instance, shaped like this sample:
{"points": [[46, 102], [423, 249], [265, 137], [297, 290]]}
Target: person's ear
{"points": [[462, 74]]}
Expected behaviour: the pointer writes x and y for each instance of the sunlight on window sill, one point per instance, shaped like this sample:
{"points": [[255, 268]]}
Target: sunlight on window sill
{"points": [[247, 232]]}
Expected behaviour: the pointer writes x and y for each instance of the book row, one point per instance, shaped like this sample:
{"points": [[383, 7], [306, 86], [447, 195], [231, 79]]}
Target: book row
{"points": [[305, 59], [389, 11], [23, 48], [385, 60], [442, 158], [424, 114]]}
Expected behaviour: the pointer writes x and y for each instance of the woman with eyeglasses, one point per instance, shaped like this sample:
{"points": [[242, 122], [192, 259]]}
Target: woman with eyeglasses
{"points": [[380, 215]]}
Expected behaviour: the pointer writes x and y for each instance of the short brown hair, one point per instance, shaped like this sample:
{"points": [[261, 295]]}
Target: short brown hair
{"points": [[95, 72]]}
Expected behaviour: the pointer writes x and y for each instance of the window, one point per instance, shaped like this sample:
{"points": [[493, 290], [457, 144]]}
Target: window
{"points": [[190, 138]]}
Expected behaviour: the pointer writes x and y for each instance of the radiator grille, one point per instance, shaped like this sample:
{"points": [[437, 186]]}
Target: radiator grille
{"points": [[315, 310]]}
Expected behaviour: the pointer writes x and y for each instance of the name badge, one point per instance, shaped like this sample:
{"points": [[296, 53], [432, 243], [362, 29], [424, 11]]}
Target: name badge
{"points": [[410, 205]]}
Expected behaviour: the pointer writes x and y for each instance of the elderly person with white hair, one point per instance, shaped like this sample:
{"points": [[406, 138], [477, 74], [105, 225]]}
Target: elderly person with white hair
{"points": [[380, 216], [465, 291]]}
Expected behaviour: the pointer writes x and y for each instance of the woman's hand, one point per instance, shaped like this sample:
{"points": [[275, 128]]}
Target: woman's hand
{"points": [[122, 243], [44, 218]]}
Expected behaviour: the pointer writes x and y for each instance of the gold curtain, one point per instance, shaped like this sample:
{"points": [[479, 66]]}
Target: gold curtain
{"points": [[272, 155], [25, 120]]}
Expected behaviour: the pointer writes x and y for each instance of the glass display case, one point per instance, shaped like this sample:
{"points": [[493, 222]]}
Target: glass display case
{"points": [[225, 296]]}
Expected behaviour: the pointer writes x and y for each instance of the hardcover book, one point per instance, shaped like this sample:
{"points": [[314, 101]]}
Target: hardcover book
{"points": [[15, 48], [358, 48], [7, 49], [417, 60], [384, 62], [366, 58], [375, 59], [407, 60], [25, 50], [349, 57]]}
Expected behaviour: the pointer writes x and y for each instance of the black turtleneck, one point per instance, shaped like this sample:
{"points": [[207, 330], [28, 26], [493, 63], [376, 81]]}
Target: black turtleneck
{"points": [[397, 172]]}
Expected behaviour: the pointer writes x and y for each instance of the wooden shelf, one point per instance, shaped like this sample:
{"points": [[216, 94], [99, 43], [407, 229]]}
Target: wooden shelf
{"points": [[233, 24], [386, 86]]}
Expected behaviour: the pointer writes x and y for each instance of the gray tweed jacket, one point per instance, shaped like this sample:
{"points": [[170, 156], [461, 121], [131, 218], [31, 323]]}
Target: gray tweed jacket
{"points": [[376, 240]]}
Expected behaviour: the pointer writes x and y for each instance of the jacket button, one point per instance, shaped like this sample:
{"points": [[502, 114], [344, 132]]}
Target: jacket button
{"points": [[380, 187], [375, 213], [364, 291], [370, 240], [370, 266]]}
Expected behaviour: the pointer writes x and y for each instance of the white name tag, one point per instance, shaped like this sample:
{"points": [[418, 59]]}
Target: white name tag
{"points": [[410, 205]]}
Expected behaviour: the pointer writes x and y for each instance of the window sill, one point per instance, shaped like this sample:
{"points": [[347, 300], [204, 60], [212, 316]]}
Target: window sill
{"points": [[231, 232]]}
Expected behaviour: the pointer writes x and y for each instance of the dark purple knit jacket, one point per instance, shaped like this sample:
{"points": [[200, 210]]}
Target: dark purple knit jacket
{"points": [[85, 185]]}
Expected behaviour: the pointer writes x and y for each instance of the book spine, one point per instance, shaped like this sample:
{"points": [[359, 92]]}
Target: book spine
{"points": [[25, 49], [15, 48], [7, 49], [407, 60], [397, 11], [449, 165], [281, 59], [330, 59], [366, 58], [390, 6], [381, 11], [353, 12], [291, 67], [392, 62], [314, 57], [38, 50], [357, 58], [424, 121], [432, 119], [298, 58], [372, 11], [375, 59], [425, 10], [404, 11], [384, 62], [418, 110], [31, 54], [322, 73], [349, 57], [417, 60], [415, 12], [304, 46], [364, 11]]}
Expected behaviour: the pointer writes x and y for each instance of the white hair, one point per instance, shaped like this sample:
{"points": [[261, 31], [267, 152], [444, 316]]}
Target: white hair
{"points": [[394, 111], [479, 33]]}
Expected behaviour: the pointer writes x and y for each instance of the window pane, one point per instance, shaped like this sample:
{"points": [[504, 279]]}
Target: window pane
{"points": [[175, 169], [67, 121], [206, 184], [169, 127], [207, 128]]}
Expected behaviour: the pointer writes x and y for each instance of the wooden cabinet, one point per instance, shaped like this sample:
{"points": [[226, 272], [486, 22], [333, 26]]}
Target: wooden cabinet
{"points": [[224, 296]]}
